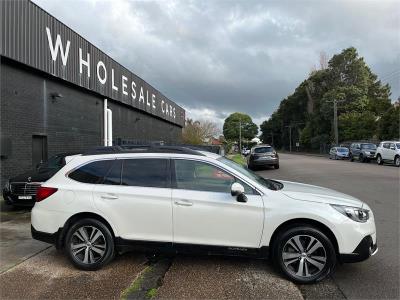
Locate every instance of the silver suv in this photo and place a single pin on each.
(388, 151)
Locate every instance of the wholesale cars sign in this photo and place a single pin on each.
(33, 37)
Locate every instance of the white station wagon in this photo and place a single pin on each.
(175, 199)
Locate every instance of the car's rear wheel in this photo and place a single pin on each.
(89, 244)
(379, 160)
(304, 254)
(397, 161)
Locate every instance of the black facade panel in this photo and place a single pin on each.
(73, 122)
(33, 37)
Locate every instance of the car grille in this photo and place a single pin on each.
(24, 188)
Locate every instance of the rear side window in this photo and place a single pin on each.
(145, 172)
(113, 176)
(93, 172)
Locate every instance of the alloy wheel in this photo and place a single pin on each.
(88, 244)
(304, 256)
(397, 161)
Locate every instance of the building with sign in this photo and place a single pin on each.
(56, 90)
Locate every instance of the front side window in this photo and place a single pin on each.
(93, 172)
(200, 176)
(145, 172)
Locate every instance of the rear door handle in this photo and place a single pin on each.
(183, 203)
(109, 197)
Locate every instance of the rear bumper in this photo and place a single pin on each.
(365, 249)
(50, 238)
(264, 162)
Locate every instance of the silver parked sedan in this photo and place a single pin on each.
(339, 153)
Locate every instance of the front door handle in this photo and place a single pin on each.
(183, 203)
(109, 197)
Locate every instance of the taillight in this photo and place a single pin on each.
(44, 192)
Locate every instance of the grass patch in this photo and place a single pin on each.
(136, 285)
(237, 158)
(151, 293)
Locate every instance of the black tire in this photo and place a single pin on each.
(397, 161)
(361, 158)
(98, 260)
(276, 166)
(335, 157)
(351, 158)
(379, 160)
(290, 266)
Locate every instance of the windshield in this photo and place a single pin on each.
(342, 150)
(263, 149)
(368, 146)
(268, 183)
(54, 162)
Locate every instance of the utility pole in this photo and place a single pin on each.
(290, 137)
(335, 120)
(240, 136)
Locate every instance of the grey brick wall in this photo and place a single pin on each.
(71, 123)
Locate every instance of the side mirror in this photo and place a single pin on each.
(238, 190)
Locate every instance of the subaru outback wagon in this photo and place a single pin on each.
(182, 200)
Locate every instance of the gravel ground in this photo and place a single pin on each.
(49, 275)
(224, 278)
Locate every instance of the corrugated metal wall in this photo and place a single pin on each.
(24, 39)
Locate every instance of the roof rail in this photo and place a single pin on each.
(141, 149)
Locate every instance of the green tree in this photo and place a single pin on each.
(232, 123)
(363, 100)
(389, 124)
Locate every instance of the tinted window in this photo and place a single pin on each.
(145, 172)
(113, 176)
(368, 146)
(263, 150)
(194, 175)
(93, 172)
(342, 149)
(386, 145)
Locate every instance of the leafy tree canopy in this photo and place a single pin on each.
(308, 112)
(232, 125)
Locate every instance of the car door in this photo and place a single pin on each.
(136, 197)
(385, 151)
(205, 212)
(391, 151)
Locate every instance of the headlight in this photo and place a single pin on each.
(355, 213)
(367, 152)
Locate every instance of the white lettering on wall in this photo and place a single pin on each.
(162, 106)
(104, 79)
(124, 85)
(58, 45)
(153, 101)
(133, 94)
(83, 62)
(112, 81)
(141, 97)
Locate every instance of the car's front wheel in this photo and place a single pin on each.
(351, 158)
(304, 254)
(89, 244)
(276, 166)
(397, 161)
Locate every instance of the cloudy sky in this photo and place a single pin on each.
(216, 57)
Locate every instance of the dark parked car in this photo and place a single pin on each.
(21, 189)
(263, 156)
(363, 152)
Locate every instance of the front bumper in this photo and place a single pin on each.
(12, 199)
(365, 249)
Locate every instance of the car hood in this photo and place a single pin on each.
(306, 192)
(40, 175)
